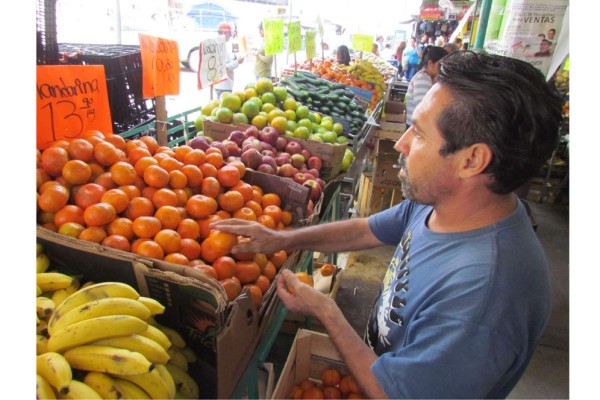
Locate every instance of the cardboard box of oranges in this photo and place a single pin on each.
(314, 369)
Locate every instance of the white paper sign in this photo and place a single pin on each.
(212, 68)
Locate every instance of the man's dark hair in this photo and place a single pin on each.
(505, 103)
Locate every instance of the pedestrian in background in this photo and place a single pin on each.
(263, 64)
(412, 54)
(398, 56)
(423, 80)
(231, 61)
(342, 55)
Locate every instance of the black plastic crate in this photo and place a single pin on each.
(46, 42)
(123, 68)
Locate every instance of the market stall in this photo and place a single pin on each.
(126, 194)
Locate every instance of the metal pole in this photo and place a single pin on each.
(484, 17)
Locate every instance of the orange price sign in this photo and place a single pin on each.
(160, 66)
(71, 99)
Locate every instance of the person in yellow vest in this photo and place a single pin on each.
(263, 63)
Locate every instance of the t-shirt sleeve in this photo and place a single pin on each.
(388, 225)
(432, 364)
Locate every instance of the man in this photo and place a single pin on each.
(263, 63)
(231, 61)
(544, 49)
(551, 34)
(467, 293)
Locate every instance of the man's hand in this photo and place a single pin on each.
(241, 59)
(262, 239)
(300, 297)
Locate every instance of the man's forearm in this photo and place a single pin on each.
(346, 235)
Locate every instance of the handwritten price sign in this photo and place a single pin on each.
(212, 62)
(160, 66)
(362, 42)
(273, 36)
(294, 37)
(71, 99)
(310, 44)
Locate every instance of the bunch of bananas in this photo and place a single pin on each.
(364, 70)
(101, 341)
(386, 69)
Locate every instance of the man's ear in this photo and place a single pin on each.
(475, 159)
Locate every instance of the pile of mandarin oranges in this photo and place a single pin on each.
(333, 385)
(158, 202)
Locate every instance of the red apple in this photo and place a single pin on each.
(315, 193)
(269, 161)
(314, 172)
(306, 153)
(299, 177)
(238, 137)
(200, 142)
(220, 146)
(232, 147)
(286, 170)
(251, 158)
(297, 160)
(266, 168)
(293, 147)
(268, 134)
(281, 143)
(252, 131)
(283, 158)
(314, 162)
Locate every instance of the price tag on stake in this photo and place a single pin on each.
(71, 99)
(310, 44)
(294, 37)
(273, 35)
(362, 42)
(160, 66)
(212, 67)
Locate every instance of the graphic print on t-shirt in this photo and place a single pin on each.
(388, 314)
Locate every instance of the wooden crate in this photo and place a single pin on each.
(373, 199)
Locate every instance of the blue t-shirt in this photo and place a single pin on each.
(459, 314)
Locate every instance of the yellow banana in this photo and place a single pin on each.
(79, 390)
(42, 328)
(178, 358)
(153, 305)
(189, 354)
(184, 383)
(38, 291)
(44, 307)
(94, 292)
(129, 390)
(150, 349)
(43, 389)
(55, 369)
(107, 359)
(41, 344)
(168, 378)
(88, 283)
(90, 330)
(103, 384)
(42, 262)
(152, 321)
(152, 383)
(50, 281)
(99, 308)
(59, 295)
(154, 333)
(174, 337)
